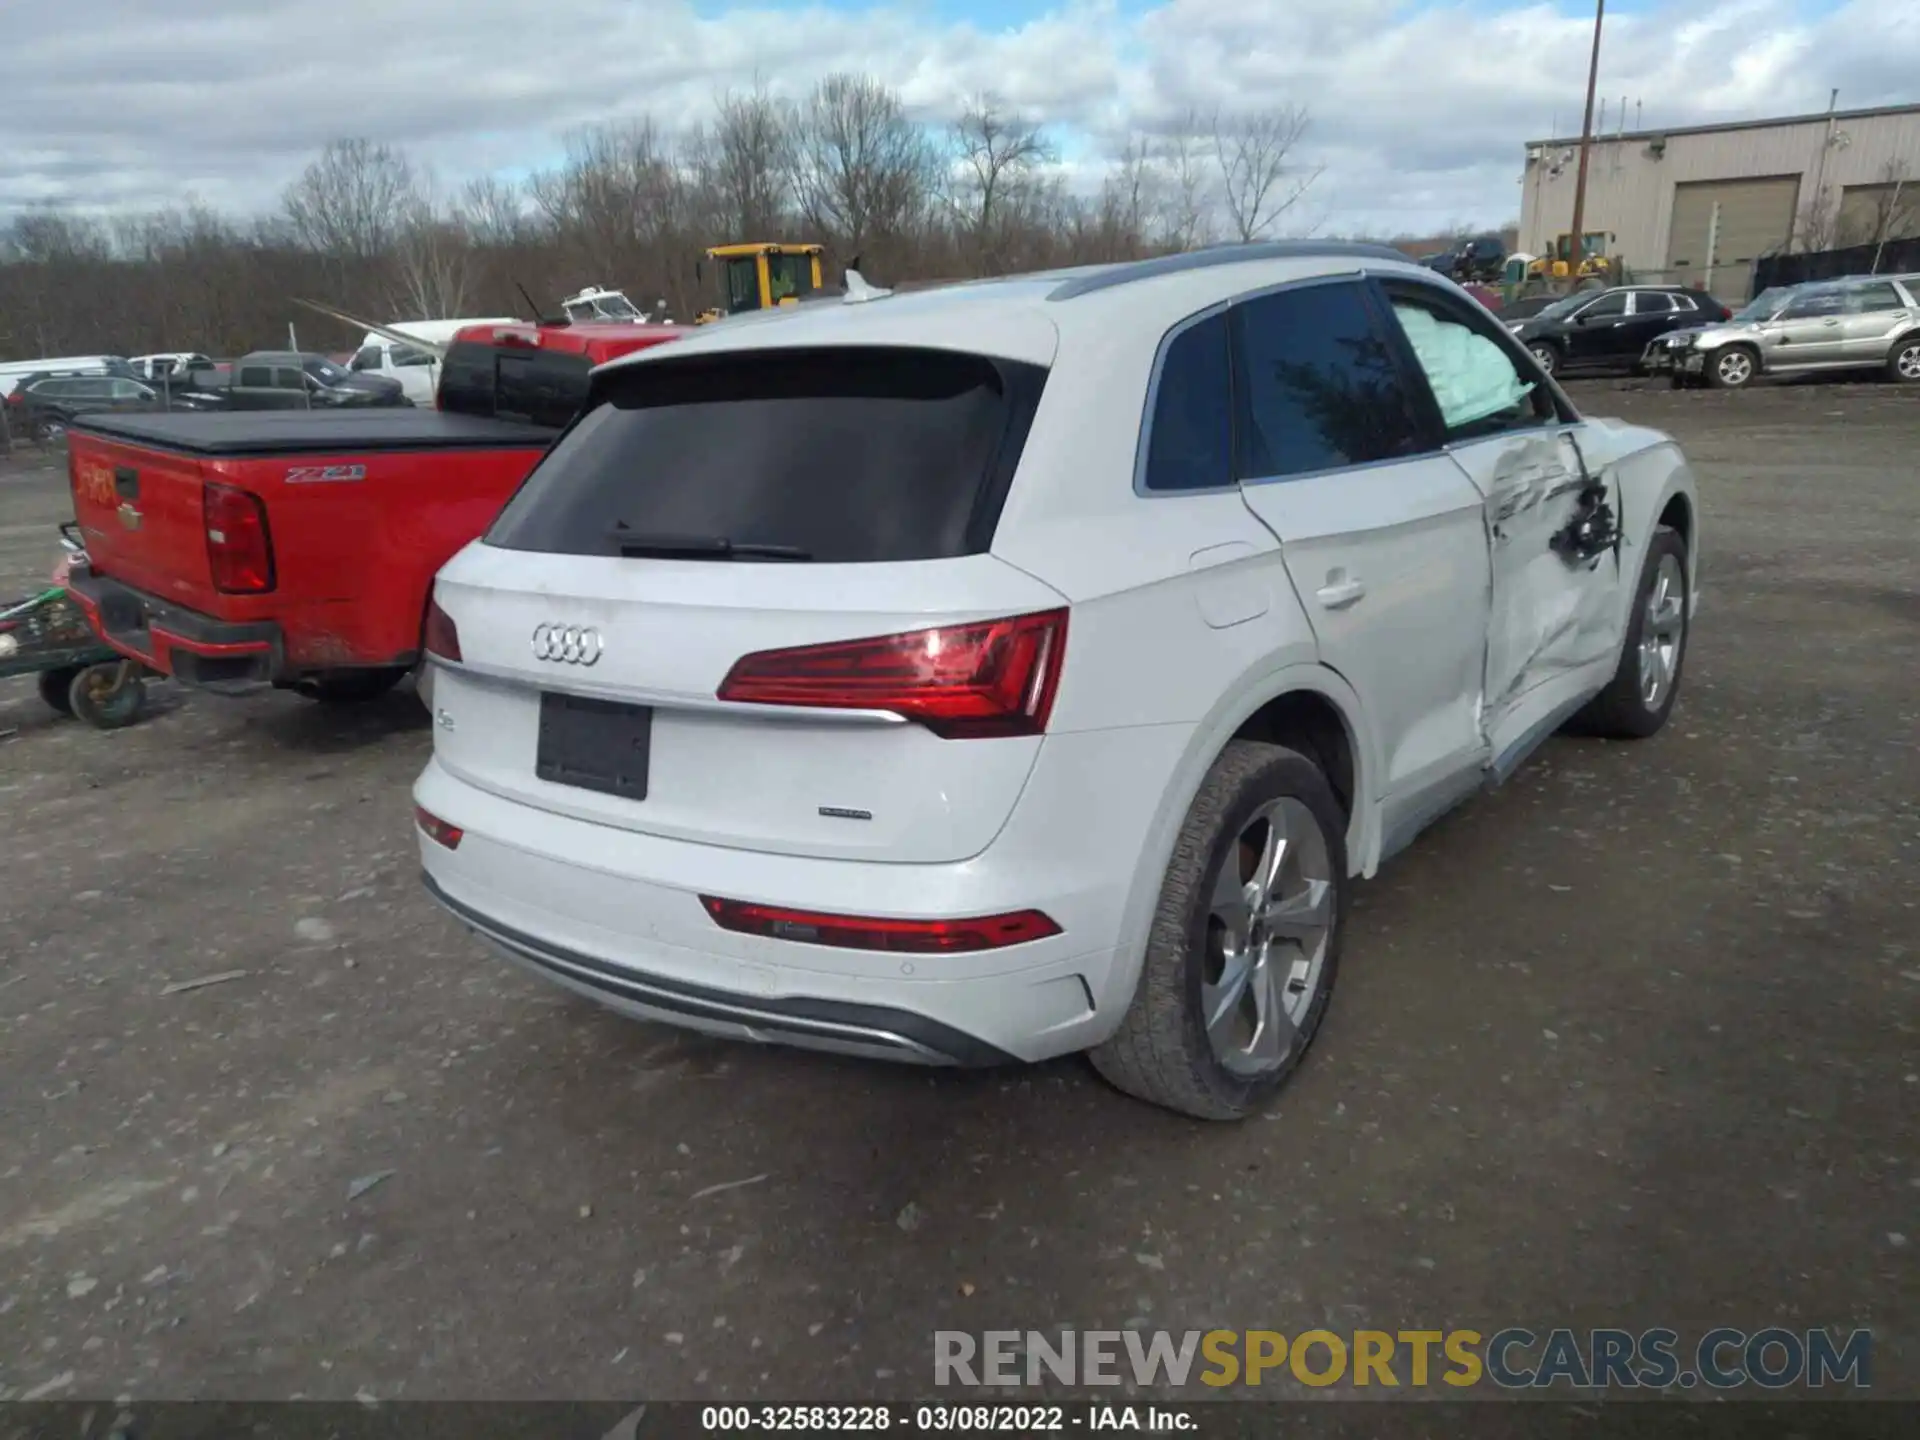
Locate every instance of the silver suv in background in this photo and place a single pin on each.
(1866, 323)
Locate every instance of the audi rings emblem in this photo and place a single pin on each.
(567, 644)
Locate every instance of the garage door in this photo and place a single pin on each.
(1756, 218)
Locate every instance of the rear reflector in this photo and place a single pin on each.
(992, 677)
(859, 932)
(442, 637)
(437, 829)
(239, 548)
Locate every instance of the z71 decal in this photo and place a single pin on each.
(315, 474)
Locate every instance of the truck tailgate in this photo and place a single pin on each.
(139, 509)
(138, 482)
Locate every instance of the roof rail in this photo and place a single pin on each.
(1232, 253)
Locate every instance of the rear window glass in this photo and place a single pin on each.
(540, 387)
(838, 455)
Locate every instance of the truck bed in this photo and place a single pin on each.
(246, 433)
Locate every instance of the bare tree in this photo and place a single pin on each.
(493, 211)
(862, 169)
(352, 202)
(617, 194)
(997, 157)
(1186, 208)
(1887, 209)
(1259, 179)
(746, 164)
(433, 260)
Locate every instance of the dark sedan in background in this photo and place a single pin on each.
(1610, 329)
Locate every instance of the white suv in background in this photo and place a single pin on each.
(1029, 666)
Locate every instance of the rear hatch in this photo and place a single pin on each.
(712, 508)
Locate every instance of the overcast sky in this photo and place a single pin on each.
(1419, 110)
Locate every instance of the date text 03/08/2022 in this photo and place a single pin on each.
(942, 1418)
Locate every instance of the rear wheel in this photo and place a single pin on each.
(1641, 694)
(1245, 943)
(1904, 363)
(351, 687)
(55, 686)
(1732, 369)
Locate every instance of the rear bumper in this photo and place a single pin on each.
(228, 656)
(837, 1025)
(616, 915)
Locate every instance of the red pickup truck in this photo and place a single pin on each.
(297, 549)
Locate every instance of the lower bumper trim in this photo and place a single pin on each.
(819, 1023)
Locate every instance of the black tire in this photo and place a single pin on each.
(1903, 361)
(1546, 356)
(55, 686)
(1734, 368)
(1161, 1053)
(351, 687)
(1621, 711)
(99, 697)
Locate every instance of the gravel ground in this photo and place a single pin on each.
(1631, 1041)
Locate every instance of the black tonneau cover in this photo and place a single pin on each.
(313, 432)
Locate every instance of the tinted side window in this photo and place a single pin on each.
(1615, 304)
(367, 358)
(466, 379)
(1316, 385)
(1190, 434)
(1651, 302)
(540, 386)
(256, 377)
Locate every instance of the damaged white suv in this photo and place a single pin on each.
(1030, 666)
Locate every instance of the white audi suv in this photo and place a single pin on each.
(996, 671)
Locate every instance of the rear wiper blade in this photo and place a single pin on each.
(633, 544)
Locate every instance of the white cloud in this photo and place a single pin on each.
(1418, 112)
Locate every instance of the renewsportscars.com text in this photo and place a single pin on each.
(1512, 1358)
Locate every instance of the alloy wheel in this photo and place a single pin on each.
(1735, 367)
(1907, 363)
(1269, 921)
(1663, 631)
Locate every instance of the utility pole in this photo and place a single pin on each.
(1575, 247)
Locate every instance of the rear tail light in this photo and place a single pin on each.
(992, 677)
(438, 830)
(442, 637)
(239, 547)
(857, 932)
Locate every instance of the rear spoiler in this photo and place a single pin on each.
(397, 337)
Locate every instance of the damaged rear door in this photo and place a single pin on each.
(1552, 522)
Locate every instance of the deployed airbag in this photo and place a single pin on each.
(1471, 376)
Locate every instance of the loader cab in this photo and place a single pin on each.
(764, 276)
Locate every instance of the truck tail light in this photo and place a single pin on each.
(988, 678)
(442, 637)
(239, 547)
(858, 932)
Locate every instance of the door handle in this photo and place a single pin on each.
(1829, 323)
(1339, 594)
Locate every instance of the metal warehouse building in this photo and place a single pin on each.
(1747, 189)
